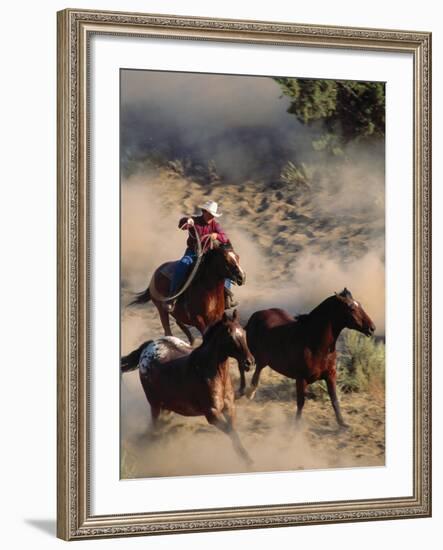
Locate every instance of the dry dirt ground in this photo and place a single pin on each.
(266, 425)
(306, 223)
(296, 252)
(185, 446)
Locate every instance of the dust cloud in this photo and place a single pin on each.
(190, 446)
(149, 234)
(297, 280)
(314, 279)
(296, 248)
(240, 123)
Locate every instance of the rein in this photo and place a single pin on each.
(201, 250)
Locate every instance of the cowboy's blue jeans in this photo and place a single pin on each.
(183, 267)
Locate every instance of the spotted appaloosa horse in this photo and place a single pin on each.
(194, 382)
(304, 348)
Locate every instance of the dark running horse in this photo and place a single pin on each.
(304, 348)
(194, 382)
(203, 303)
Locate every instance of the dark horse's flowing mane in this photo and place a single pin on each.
(207, 260)
(327, 302)
(330, 300)
(220, 248)
(198, 354)
(301, 317)
(209, 333)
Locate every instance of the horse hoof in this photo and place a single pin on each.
(250, 393)
(239, 394)
(344, 427)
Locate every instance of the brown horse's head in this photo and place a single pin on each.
(226, 264)
(233, 340)
(354, 316)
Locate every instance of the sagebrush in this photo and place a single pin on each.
(361, 363)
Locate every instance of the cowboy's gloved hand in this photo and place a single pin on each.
(190, 222)
(214, 236)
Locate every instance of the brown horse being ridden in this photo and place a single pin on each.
(203, 303)
(304, 348)
(194, 382)
(202, 298)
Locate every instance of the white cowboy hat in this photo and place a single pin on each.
(211, 207)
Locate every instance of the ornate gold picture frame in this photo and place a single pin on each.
(75, 518)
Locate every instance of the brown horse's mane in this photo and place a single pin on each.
(206, 265)
(322, 307)
(209, 333)
(328, 302)
(198, 357)
(302, 318)
(322, 313)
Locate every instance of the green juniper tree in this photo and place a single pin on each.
(347, 110)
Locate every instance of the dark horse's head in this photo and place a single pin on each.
(226, 263)
(354, 316)
(232, 339)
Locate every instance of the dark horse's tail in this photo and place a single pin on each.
(130, 361)
(141, 298)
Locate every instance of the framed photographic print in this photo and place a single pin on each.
(243, 274)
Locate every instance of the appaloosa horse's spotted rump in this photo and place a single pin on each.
(161, 350)
(194, 382)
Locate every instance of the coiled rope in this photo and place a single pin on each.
(201, 250)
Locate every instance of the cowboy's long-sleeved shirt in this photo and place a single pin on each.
(203, 228)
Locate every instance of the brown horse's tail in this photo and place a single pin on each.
(141, 298)
(130, 361)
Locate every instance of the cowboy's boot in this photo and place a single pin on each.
(229, 299)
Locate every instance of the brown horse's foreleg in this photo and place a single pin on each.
(164, 318)
(241, 390)
(254, 382)
(330, 381)
(153, 404)
(216, 419)
(187, 332)
(300, 385)
(155, 413)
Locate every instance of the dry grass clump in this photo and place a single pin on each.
(361, 363)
